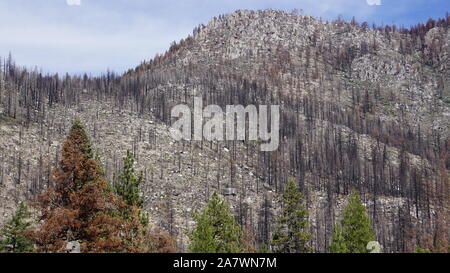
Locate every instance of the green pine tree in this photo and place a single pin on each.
(216, 230)
(338, 244)
(127, 187)
(12, 232)
(291, 233)
(354, 231)
(128, 184)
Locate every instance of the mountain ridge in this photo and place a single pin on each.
(362, 109)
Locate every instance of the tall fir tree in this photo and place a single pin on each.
(128, 183)
(217, 231)
(14, 239)
(338, 244)
(291, 233)
(354, 231)
(80, 206)
(127, 187)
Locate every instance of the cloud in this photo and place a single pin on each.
(374, 2)
(73, 2)
(63, 40)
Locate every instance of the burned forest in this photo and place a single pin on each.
(363, 109)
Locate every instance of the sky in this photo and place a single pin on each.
(92, 36)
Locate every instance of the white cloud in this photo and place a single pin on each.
(374, 2)
(77, 45)
(73, 2)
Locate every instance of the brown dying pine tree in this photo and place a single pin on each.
(81, 206)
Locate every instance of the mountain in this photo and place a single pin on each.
(362, 109)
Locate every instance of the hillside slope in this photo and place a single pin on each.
(361, 109)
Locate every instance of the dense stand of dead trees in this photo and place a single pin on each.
(321, 140)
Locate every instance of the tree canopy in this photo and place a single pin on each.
(354, 231)
(80, 205)
(217, 231)
(14, 239)
(291, 234)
